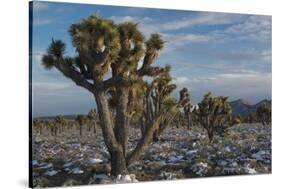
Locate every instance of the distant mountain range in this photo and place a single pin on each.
(239, 106)
(243, 108)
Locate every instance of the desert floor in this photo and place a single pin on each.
(69, 159)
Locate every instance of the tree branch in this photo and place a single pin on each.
(75, 76)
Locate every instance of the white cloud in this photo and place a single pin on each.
(253, 28)
(199, 19)
(251, 86)
(180, 80)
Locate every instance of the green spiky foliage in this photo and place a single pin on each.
(93, 119)
(81, 120)
(214, 115)
(263, 113)
(158, 102)
(111, 61)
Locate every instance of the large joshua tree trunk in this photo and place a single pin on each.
(118, 162)
(121, 125)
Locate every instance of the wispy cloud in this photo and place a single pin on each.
(252, 28)
(254, 86)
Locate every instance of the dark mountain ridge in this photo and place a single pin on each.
(243, 107)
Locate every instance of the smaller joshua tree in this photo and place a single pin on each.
(214, 115)
(38, 125)
(250, 118)
(81, 120)
(60, 123)
(186, 108)
(158, 101)
(93, 118)
(264, 114)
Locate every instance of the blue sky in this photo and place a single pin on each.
(227, 54)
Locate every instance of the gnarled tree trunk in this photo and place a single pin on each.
(118, 162)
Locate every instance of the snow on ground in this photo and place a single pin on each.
(69, 159)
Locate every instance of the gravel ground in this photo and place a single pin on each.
(70, 159)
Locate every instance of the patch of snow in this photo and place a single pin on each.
(260, 155)
(68, 164)
(76, 171)
(190, 152)
(126, 178)
(95, 160)
(35, 163)
(250, 170)
(51, 173)
(228, 149)
(101, 176)
(200, 168)
(193, 144)
(45, 165)
(222, 163)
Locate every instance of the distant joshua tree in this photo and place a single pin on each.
(264, 114)
(93, 119)
(60, 123)
(38, 125)
(81, 120)
(186, 115)
(108, 58)
(214, 115)
(251, 118)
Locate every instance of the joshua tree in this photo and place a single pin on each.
(60, 123)
(107, 58)
(38, 125)
(93, 118)
(264, 114)
(81, 120)
(251, 118)
(157, 100)
(186, 107)
(214, 115)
